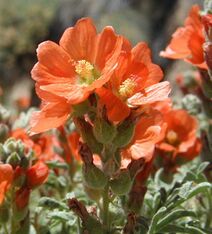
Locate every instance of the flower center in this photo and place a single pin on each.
(84, 69)
(86, 72)
(172, 137)
(127, 88)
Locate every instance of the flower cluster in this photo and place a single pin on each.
(19, 173)
(112, 118)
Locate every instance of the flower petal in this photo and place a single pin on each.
(6, 178)
(154, 93)
(80, 40)
(52, 115)
(74, 93)
(54, 59)
(116, 109)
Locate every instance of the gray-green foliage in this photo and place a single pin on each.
(182, 206)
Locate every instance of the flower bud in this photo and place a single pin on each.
(37, 174)
(4, 114)
(10, 145)
(4, 213)
(89, 223)
(207, 83)
(20, 148)
(22, 198)
(3, 155)
(4, 132)
(103, 131)
(93, 177)
(21, 209)
(81, 109)
(25, 161)
(93, 194)
(13, 159)
(19, 177)
(93, 226)
(125, 134)
(87, 135)
(192, 104)
(110, 167)
(121, 183)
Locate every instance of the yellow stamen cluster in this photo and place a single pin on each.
(127, 88)
(172, 137)
(84, 69)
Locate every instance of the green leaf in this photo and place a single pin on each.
(185, 189)
(172, 228)
(57, 164)
(202, 167)
(194, 230)
(202, 187)
(51, 203)
(63, 216)
(172, 216)
(155, 219)
(156, 201)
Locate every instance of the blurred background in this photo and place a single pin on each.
(26, 23)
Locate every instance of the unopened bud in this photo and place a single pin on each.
(103, 131)
(13, 159)
(25, 161)
(3, 155)
(93, 177)
(20, 148)
(93, 226)
(4, 114)
(10, 145)
(86, 132)
(4, 132)
(81, 109)
(110, 166)
(21, 209)
(135, 167)
(136, 197)
(121, 183)
(125, 134)
(93, 194)
(85, 153)
(37, 174)
(4, 213)
(90, 224)
(130, 225)
(192, 104)
(19, 177)
(207, 82)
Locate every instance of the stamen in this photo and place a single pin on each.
(172, 137)
(127, 88)
(84, 69)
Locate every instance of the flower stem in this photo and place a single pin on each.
(105, 209)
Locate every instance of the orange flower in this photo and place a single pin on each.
(134, 83)
(73, 140)
(43, 145)
(187, 42)
(149, 131)
(207, 22)
(23, 102)
(54, 113)
(37, 174)
(72, 70)
(6, 178)
(180, 136)
(22, 198)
